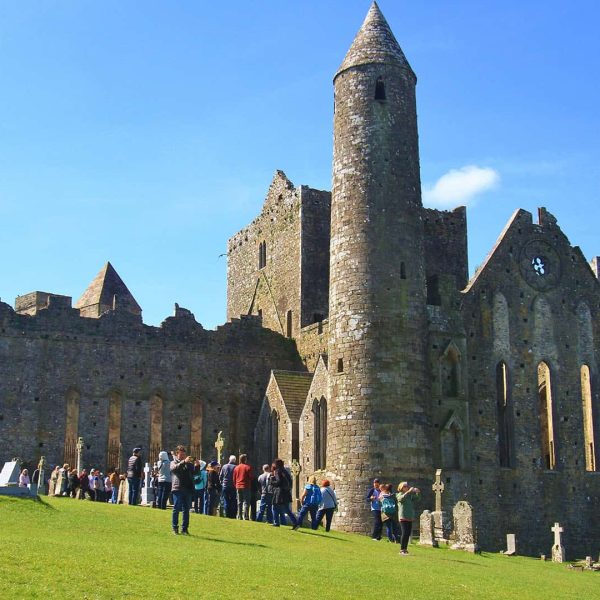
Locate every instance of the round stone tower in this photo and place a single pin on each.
(378, 418)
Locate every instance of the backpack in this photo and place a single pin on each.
(313, 495)
(388, 506)
(316, 497)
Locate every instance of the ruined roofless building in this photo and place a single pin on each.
(355, 343)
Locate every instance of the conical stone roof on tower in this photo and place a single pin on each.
(107, 292)
(374, 44)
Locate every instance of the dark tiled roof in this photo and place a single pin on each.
(293, 386)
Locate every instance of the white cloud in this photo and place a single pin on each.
(460, 186)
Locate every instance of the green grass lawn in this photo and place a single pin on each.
(63, 548)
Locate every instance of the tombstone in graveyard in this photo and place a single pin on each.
(511, 544)
(9, 479)
(426, 535)
(296, 468)
(558, 550)
(62, 481)
(589, 563)
(123, 494)
(441, 524)
(464, 530)
(10, 473)
(147, 490)
(219, 444)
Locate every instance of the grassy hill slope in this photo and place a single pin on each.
(63, 548)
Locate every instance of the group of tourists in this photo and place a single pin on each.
(394, 510)
(90, 485)
(233, 491)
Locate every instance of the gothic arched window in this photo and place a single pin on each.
(504, 412)
(547, 422)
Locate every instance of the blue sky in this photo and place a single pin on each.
(147, 133)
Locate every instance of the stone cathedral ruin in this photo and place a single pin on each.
(355, 342)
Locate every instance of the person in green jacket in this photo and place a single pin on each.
(407, 497)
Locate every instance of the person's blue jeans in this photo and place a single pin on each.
(265, 508)
(164, 489)
(115, 495)
(229, 502)
(199, 501)
(307, 508)
(328, 514)
(182, 501)
(279, 512)
(134, 489)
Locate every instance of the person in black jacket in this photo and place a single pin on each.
(182, 472)
(280, 482)
(134, 475)
(213, 489)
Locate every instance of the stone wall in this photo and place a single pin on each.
(514, 315)
(44, 359)
(274, 289)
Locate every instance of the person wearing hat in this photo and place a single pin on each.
(213, 488)
(200, 479)
(134, 475)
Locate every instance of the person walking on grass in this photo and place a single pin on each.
(373, 499)
(182, 474)
(134, 475)
(407, 497)
(228, 493)
(310, 500)
(327, 506)
(242, 479)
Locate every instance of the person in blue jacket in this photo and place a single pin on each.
(373, 499)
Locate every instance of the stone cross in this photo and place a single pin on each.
(558, 551)
(41, 475)
(79, 454)
(219, 445)
(296, 468)
(557, 531)
(438, 488)
(148, 490)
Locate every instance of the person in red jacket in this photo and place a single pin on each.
(242, 479)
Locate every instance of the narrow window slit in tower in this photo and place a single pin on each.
(380, 89)
(340, 365)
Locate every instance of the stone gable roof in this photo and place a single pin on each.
(105, 286)
(293, 387)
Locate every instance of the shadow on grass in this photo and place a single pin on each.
(325, 536)
(220, 541)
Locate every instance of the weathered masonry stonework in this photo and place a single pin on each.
(355, 343)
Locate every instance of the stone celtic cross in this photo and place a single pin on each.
(438, 488)
(557, 529)
(79, 453)
(219, 445)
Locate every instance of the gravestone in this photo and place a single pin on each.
(589, 563)
(42, 466)
(441, 525)
(426, 537)
(464, 531)
(123, 494)
(10, 473)
(558, 550)
(79, 455)
(511, 544)
(9, 479)
(147, 490)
